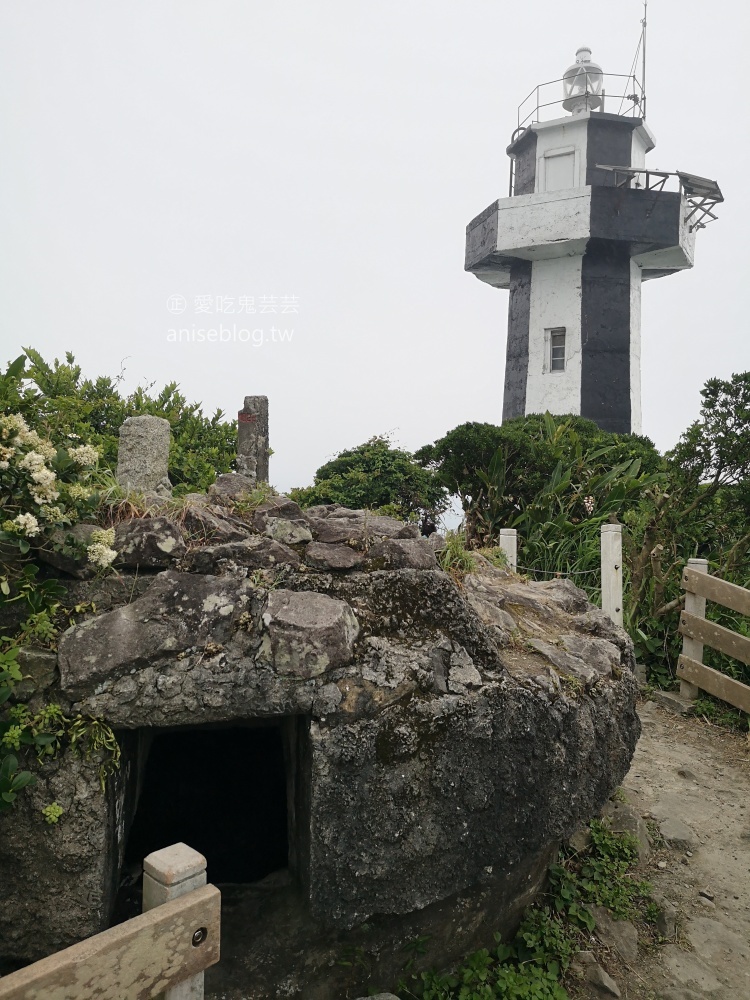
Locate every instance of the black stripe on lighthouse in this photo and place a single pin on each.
(605, 335)
(517, 353)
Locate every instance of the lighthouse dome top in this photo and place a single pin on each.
(582, 84)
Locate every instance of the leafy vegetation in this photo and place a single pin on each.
(72, 407)
(377, 476)
(536, 964)
(557, 479)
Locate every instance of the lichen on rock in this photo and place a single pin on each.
(442, 731)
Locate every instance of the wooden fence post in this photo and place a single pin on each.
(694, 605)
(509, 545)
(167, 874)
(611, 550)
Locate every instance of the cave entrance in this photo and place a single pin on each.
(227, 791)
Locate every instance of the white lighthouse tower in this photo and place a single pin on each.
(585, 224)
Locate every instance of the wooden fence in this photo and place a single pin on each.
(161, 953)
(697, 632)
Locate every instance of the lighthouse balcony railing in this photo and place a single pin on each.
(620, 94)
(701, 195)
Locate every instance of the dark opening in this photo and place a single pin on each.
(221, 791)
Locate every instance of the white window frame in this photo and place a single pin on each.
(548, 334)
(549, 154)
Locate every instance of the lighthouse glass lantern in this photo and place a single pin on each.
(582, 84)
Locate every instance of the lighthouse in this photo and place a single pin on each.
(585, 224)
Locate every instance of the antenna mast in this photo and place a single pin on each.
(644, 22)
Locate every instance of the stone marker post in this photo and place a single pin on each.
(509, 544)
(143, 455)
(694, 605)
(252, 439)
(611, 549)
(167, 874)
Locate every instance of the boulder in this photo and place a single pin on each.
(276, 507)
(667, 917)
(211, 524)
(179, 612)
(434, 759)
(402, 553)
(148, 543)
(361, 528)
(39, 669)
(586, 965)
(68, 554)
(230, 486)
(619, 935)
(622, 817)
(678, 834)
(323, 556)
(288, 532)
(308, 633)
(256, 552)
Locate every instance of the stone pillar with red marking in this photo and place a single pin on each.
(252, 439)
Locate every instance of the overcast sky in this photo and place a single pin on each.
(326, 157)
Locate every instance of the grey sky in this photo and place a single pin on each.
(334, 151)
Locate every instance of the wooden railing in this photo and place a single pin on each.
(697, 632)
(161, 953)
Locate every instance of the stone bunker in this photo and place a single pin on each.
(376, 751)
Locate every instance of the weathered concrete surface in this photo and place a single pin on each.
(252, 439)
(443, 732)
(57, 882)
(143, 455)
(271, 946)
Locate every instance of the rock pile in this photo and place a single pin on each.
(448, 736)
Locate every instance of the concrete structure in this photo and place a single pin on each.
(252, 439)
(585, 224)
(143, 455)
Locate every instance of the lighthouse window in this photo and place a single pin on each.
(557, 350)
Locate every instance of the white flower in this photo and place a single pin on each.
(47, 449)
(4, 464)
(43, 476)
(104, 535)
(54, 515)
(45, 497)
(84, 454)
(27, 525)
(100, 555)
(78, 492)
(11, 425)
(31, 461)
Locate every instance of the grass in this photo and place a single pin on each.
(455, 558)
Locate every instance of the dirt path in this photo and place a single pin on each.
(686, 772)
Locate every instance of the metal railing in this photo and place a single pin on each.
(622, 94)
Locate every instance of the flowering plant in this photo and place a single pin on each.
(43, 487)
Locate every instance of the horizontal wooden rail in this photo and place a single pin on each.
(133, 961)
(719, 685)
(715, 636)
(729, 595)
